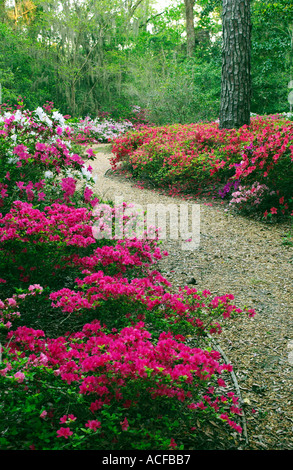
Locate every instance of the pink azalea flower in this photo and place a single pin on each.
(19, 376)
(172, 443)
(124, 424)
(93, 424)
(64, 432)
(67, 418)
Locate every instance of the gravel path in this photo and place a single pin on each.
(245, 258)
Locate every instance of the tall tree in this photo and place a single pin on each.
(190, 31)
(236, 78)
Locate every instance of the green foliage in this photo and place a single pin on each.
(139, 57)
(272, 55)
(190, 94)
(24, 70)
(151, 422)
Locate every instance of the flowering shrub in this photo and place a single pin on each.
(9, 308)
(251, 199)
(98, 130)
(113, 388)
(139, 117)
(118, 301)
(96, 349)
(202, 156)
(60, 239)
(37, 244)
(135, 114)
(37, 164)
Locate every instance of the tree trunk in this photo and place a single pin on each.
(190, 33)
(236, 79)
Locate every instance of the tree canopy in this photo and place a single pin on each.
(93, 56)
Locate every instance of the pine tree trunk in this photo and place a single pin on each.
(190, 32)
(236, 79)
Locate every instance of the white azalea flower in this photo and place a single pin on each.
(48, 174)
(58, 117)
(43, 116)
(86, 173)
(12, 160)
(48, 121)
(18, 116)
(40, 112)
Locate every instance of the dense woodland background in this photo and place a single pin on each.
(90, 57)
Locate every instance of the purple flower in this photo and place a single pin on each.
(226, 189)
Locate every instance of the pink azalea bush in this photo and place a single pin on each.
(118, 301)
(60, 240)
(199, 158)
(99, 130)
(38, 163)
(105, 128)
(116, 385)
(97, 350)
(250, 199)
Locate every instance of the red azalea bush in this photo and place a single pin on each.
(97, 352)
(60, 240)
(96, 389)
(37, 244)
(201, 155)
(118, 301)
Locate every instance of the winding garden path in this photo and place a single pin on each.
(246, 258)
